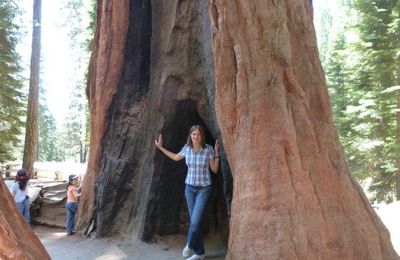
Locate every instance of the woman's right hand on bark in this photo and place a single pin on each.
(173, 156)
(159, 142)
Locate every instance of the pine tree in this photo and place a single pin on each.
(380, 49)
(323, 29)
(76, 126)
(75, 129)
(12, 97)
(395, 31)
(49, 144)
(92, 25)
(361, 70)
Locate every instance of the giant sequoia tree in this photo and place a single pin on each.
(249, 72)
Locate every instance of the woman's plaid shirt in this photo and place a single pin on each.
(198, 165)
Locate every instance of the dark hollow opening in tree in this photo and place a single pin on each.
(166, 84)
(170, 209)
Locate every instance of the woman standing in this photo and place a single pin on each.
(199, 157)
(19, 191)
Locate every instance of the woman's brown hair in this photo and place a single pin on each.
(201, 130)
(22, 178)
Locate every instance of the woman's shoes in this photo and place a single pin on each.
(70, 233)
(196, 257)
(186, 252)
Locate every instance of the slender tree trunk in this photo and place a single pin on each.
(31, 135)
(294, 197)
(80, 152)
(85, 151)
(398, 136)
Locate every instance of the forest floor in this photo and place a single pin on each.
(77, 247)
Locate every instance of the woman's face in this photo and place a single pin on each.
(196, 137)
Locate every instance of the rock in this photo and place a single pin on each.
(17, 240)
(52, 210)
(47, 202)
(33, 191)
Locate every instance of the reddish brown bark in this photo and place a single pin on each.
(17, 240)
(163, 85)
(294, 197)
(31, 133)
(105, 69)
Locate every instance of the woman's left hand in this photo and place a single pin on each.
(215, 162)
(216, 148)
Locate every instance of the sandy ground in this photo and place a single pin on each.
(59, 246)
(77, 247)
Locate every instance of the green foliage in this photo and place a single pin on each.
(12, 97)
(76, 134)
(379, 46)
(76, 128)
(49, 143)
(324, 33)
(71, 142)
(361, 70)
(92, 25)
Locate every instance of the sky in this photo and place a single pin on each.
(57, 65)
(321, 4)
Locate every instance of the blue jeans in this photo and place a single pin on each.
(72, 208)
(23, 207)
(196, 199)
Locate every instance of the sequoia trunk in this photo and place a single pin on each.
(294, 197)
(17, 240)
(152, 71)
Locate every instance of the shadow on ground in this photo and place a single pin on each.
(77, 247)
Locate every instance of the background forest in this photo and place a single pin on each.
(359, 49)
(62, 136)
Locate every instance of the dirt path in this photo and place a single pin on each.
(61, 247)
(75, 247)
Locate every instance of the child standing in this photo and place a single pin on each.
(72, 202)
(19, 190)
